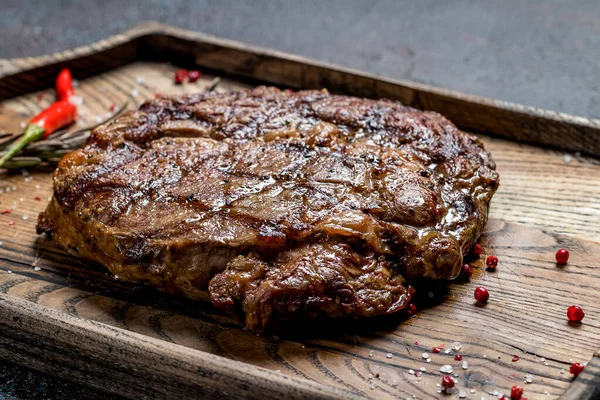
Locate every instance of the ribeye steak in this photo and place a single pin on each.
(282, 204)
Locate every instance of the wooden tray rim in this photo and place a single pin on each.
(187, 370)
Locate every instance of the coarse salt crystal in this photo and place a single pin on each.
(456, 346)
(423, 369)
(425, 355)
(9, 271)
(446, 369)
(472, 390)
(447, 351)
(567, 158)
(37, 187)
(371, 353)
(389, 355)
(411, 371)
(23, 124)
(21, 199)
(25, 217)
(77, 100)
(1, 243)
(139, 79)
(484, 356)
(528, 378)
(462, 394)
(36, 268)
(135, 92)
(465, 365)
(428, 360)
(542, 359)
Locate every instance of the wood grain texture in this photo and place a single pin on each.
(544, 203)
(32, 334)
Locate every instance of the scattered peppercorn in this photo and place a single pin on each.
(515, 358)
(458, 357)
(38, 198)
(477, 250)
(492, 263)
(411, 309)
(516, 393)
(481, 294)
(180, 76)
(11, 223)
(435, 350)
(447, 381)
(466, 271)
(576, 369)
(562, 256)
(194, 75)
(575, 314)
(7, 211)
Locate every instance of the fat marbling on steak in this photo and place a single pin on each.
(282, 204)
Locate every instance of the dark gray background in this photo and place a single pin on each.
(543, 53)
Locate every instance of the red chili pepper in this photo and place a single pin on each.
(64, 85)
(60, 113)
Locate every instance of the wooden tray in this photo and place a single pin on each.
(64, 317)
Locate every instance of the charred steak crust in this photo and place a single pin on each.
(283, 204)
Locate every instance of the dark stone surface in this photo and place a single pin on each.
(540, 53)
(18, 383)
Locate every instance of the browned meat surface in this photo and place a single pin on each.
(282, 204)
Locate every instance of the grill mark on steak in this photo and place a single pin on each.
(288, 204)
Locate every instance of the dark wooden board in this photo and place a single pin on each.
(72, 319)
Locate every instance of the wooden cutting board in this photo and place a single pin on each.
(63, 316)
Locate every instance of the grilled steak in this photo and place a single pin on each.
(281, 204)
